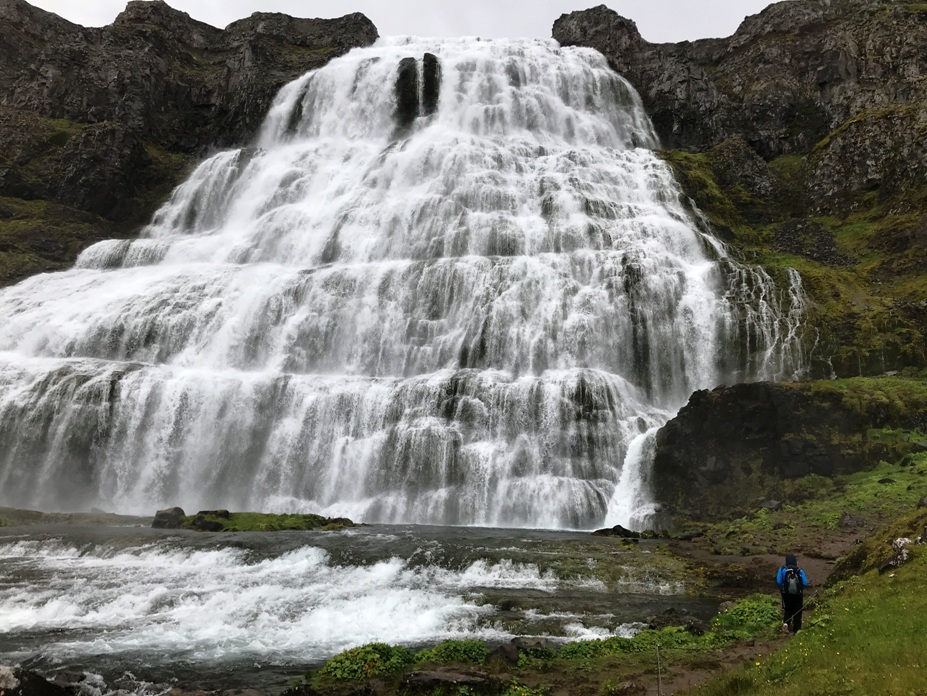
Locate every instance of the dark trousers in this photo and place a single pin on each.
(792, 606)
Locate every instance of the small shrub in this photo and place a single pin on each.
(367, 661)
(752, 615)
(582, 650)
(451, 651)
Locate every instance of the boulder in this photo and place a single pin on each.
(850, 521)
(446, 680)
(678, 617)
(169, 518)
(15, 681)
(617, 531)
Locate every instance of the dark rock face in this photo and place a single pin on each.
(431, 83)
(105, 120)
(15, 681)
(788, 77)
(169, 518)
(728, 448)
(161, 74)
(407, 93)
(417, 91)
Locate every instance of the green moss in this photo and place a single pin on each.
(39, 236)
(222, 520)
(696, 175)
(867, 115)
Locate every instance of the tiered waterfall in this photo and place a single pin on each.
(450, 283)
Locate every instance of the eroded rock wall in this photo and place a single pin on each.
(104, 121)
(788, 77)
(730, 448)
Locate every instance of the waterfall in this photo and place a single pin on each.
(450, 283)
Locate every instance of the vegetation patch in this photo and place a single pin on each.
(472, 652)
(39, 236)
(225, 521)
(820, 508)
(866, 634)
(366, 662)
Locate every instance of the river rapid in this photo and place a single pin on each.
(141, 610)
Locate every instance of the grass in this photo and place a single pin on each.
(806, 526)
(597, 663)
(865, 637)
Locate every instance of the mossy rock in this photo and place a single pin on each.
(225, 521)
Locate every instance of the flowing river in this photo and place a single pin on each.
(142, 609)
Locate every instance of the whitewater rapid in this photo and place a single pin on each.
(256, 609)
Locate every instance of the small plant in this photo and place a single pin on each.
(517, 689)
(455, 651)
(366, 662)
(756, 614)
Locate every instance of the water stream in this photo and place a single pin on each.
(142, 609)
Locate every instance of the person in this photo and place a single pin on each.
(792, 582)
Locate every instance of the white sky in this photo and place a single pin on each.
(658, 20)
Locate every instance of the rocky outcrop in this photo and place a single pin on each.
(15, 681)
(418, 90)
(225, 521)
(787, 78)
(104, 121)
(730, 448)
(803, 134)
(162, 75)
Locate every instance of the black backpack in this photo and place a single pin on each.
(791, 582)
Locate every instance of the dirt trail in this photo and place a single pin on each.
(740, 575)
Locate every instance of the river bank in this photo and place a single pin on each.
(99, 597)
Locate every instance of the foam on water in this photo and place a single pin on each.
(213, 603)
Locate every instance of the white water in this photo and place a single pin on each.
(176, 599)
(471, 322)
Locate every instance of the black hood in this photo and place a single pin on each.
(790, 559)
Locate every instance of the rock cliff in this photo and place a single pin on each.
(803, 137)
(787, 78)
(730, 448)
(98, 124)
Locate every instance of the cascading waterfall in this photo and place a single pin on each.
(450, 284)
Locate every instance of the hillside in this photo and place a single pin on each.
(97, 125)
(801, 139)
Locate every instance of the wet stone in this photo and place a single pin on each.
(169, 518)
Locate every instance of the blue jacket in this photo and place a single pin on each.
(780, 577)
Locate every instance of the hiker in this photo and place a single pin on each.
(792, 582)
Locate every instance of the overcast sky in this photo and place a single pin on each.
(658, 20)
